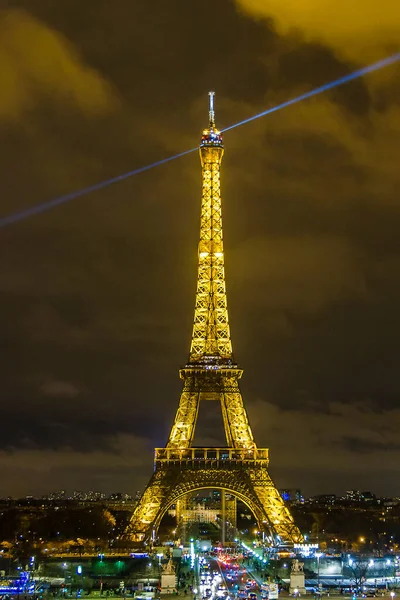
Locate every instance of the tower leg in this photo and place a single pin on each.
(182, 431)
(223, 517)
(237, 428)
(278, 517)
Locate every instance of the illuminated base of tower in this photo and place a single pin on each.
(242, 473)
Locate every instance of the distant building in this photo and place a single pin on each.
(60, 495)
(357, 496)
(368, 497)
(353, 495)
(119, 497)
(324, 499)
(292, 495)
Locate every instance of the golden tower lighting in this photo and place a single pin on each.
(240, 468)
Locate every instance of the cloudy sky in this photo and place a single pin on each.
(97, 295)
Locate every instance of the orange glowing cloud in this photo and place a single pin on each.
(36, 61)
(356, 27)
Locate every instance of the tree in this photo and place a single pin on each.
(358, 570)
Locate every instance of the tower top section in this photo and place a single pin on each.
(211, 136)
(211, 346)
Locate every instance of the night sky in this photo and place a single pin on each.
(97, 296)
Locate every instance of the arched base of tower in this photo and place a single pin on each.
(247, 479)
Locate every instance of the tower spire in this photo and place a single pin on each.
(211, 335)
(211, 114)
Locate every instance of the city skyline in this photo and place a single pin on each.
(97, 296)
(357, 496)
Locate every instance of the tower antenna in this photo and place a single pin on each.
(211, 114)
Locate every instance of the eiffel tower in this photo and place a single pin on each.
(241, 468)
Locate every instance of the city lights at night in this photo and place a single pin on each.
(200, 286)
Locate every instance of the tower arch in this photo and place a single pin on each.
(251, 503)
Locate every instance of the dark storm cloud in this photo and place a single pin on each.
(40, 471)
(367, 446)
(66, 425)
(345, 444)
(97, 296)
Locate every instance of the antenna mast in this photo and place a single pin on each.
(211, 114)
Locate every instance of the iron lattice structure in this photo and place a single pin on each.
(212, 374)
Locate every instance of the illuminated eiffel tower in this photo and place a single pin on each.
(212, 374)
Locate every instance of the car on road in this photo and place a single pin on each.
(251, 584)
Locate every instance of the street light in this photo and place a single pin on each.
(79, 571)
(65, 567)
(159, 556)
(318, 555)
